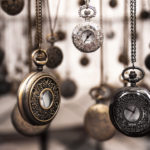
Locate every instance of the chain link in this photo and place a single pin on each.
(133, 30)
(39, 22)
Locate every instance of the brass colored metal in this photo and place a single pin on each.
(40, 57)
(12, 7)
(23, 126)
(103, 92)
(97, 122)
(29, 95)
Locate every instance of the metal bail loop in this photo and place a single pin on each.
(132, 77)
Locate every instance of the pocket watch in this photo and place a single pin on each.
(130, 107)
(12, 7)
(39, 94)
(24, 127)
(97, 122)
(84, 61)
(113, 3)
(68, 88)
(87, 37)
(55, 55)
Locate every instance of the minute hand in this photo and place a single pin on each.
(87, 37)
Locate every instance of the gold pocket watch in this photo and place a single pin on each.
(97, 122)
(39, 94)
(23, 126)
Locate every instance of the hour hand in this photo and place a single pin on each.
(130, 110)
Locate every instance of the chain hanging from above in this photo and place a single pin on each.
(39, 105)
(55, 55)
(98, 113)
(39, 22)
(129, 109)
(133, 30)
(87, 37)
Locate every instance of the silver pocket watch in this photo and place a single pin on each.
(87, 37)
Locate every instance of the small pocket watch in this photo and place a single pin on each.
(68, 88)
(12, 7)
(55, 55)
(24, 127)
(87, 37)
(130, 108)
(39, 94)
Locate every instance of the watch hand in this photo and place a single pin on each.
(134, 110)
(129, 110)
(87, 37)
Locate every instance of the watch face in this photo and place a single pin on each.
(130, 112)
(12, 7)
(87, 37)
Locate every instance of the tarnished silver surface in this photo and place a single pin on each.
(87, 37)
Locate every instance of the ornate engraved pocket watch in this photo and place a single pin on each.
(39, 94)
(12, 7)
(130, 107)
(87, 37)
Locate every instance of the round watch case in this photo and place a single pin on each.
(130, 111)
(12, 7)
(38, 98)
(87, 37)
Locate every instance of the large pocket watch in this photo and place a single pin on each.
(87, 37)
(39, 94)
(130, 107)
